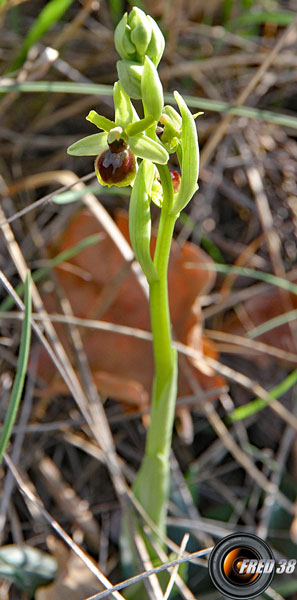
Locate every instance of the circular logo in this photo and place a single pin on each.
(241, 566)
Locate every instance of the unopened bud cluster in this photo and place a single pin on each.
(138, 41)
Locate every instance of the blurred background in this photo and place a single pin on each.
(232, 282)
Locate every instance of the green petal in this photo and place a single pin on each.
(140, 126)
(99, 121)
(92, 145)
(125, 112)
(190, 157)
(146, 148)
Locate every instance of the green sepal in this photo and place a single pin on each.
(140, 126)
(125, 113)
(157, 44)
(100, 121)
(146, 148)
(130, 74)
(92, 145)
(151, 90)
(190, 157)
(123, 44)
(140, 219)
(141, 30)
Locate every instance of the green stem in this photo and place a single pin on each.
(161, 328)
(152, 483)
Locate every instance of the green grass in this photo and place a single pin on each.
(69, 87)
(18, 384)
(50, 14)
(253, 407)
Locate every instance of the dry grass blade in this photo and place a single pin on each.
(25, 490)
(145, 574)
(175, 569)
(220, 131)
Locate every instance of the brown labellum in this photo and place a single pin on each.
(116, 165)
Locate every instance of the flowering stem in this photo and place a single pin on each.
(152, 482)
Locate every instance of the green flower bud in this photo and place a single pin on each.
(122, 42)
(137, 35)
(130, 73)
(151, 90)
(157, 44)
(141, 30)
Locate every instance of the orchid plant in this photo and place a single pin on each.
(134, 151)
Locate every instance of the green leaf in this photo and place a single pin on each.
(92, 145)
(190, 157)
(125, 113)
(18, 384)
(50, 14)
(145, 147)
(28, 568)
(151, 90)
(140, 219)
(100, 121)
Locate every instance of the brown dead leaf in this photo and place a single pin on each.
(122, 366)
(259, 309)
